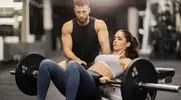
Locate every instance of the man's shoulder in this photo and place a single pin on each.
(68, 24)
(99, 21)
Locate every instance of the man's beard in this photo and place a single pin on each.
(82, 21)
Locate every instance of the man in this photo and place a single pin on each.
(83, 36)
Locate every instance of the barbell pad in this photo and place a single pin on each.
(113, 82)
(25, 80)
(139, 70)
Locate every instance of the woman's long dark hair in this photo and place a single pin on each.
(132, 50)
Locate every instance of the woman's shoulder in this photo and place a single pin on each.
(108, 55)
(125, 60)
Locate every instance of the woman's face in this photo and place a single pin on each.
(119, 43)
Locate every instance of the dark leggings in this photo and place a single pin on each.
(76, 82)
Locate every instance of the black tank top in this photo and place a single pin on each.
(85, 41)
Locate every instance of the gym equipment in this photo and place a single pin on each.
(139, 82)
(26, 73)
(12, 58)
(165, 74)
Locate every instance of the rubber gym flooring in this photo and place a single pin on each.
(10, 91)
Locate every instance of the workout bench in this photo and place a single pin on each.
(165, 74)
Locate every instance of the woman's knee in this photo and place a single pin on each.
(73, 65)
(50, 66)
(46, 63)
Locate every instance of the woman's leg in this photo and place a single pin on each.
(79, 84)
(50, 70)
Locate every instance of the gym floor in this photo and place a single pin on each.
(10, 91)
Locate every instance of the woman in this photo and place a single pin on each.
(80, 84)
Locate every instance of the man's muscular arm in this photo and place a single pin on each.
(67, 42)
(103, 36)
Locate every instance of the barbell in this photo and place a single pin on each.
(26, 73)
(139, 81)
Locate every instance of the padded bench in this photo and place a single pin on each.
(165, 74)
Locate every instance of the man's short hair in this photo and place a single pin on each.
(81, 2)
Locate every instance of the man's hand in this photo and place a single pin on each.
(81, 62)
(63, 64)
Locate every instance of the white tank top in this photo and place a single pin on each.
(112, 62)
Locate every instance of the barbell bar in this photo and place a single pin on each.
(160, 87)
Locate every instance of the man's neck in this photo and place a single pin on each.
(84, 24)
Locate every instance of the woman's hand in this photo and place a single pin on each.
(104, 79)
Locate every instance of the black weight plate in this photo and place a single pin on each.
(139, 70)
(23, 75)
